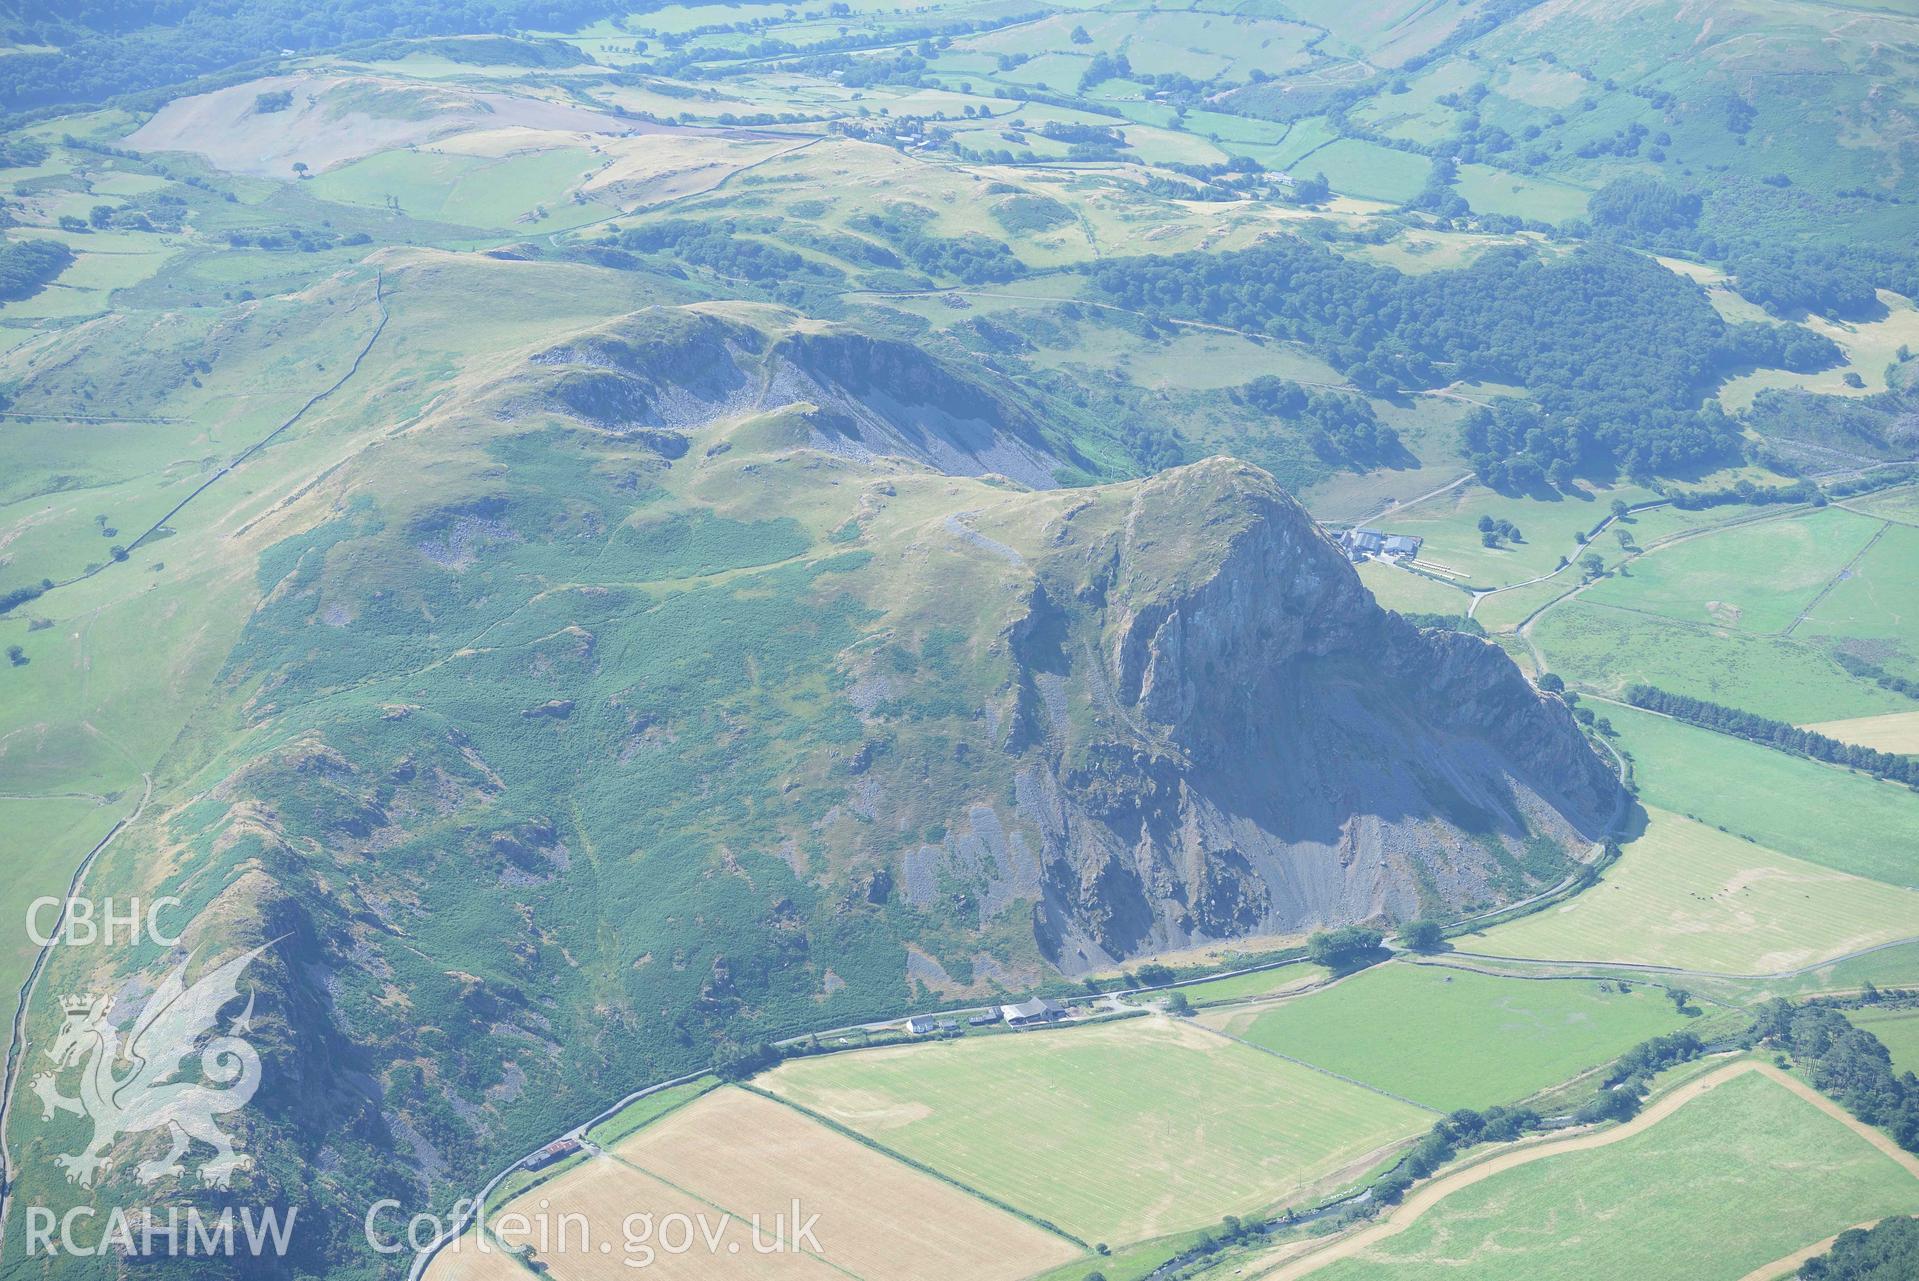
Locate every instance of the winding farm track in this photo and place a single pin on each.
(1681, 972)
(1415, 1206)
(17, 1043)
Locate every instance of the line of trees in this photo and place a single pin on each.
(1783, 735)
(1868, 671)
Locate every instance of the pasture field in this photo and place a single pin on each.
(1745, 1172)
(1449, 524)
(1756, 577)
(1115, 1132)
(1690, 896)
(1408, 592)
(468, 190)
(1878, 599)
(1820, 813)
(1901, 504)
(46, 839)
(1895, 732)
(1606, 649)
(1898, 1029)
(878, 1217)
(1490, 190)
(1451, 1038)
(1363, 168)
(1242, 987)
(644, 1111)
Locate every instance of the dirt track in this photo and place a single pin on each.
(1415, 1206)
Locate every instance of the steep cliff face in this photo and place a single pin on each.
(679, 684)
(1217, 732)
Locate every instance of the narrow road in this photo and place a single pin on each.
(379, 300)
(17, 1044)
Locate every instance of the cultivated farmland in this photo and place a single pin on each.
(1816, 812)
(1897, 1028)
(1114, 1133)
(1451, 1038)
(878, 1216)
(1895, 732)
(1741, 1173)
(1781, 677)
(1755, 577)
(1687, 895)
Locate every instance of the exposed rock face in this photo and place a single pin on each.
(659, 373)
(1221, 733)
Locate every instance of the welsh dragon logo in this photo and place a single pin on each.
(129, 1086)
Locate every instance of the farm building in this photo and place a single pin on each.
(1359, 543)
(984, 1018)
(1036, 1010)
(552, 1152)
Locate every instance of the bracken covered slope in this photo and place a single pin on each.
(673, 683)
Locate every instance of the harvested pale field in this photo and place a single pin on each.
(466, 1261)
(334, 119)
(1115, 1132)
(878, 1217)
(1895, 732)
(657, 167)
(592, 1220)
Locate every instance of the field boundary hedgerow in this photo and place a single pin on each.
(869, 1143)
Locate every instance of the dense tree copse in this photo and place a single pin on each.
(722, 247)
(28, 266)
(1643, 204)
(1345, 947)
(1887, 1252)
(1832, 280)
(974, 259)
(1338, 425)
(1780, 734)
(1746, 493)
(1878, 675)
(1848, 1063)
(1615, 350)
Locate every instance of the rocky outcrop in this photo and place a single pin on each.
(1220, 733)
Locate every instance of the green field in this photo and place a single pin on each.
(1878, 600)
(1816, 812)
(1114, 1133)
(1690, 896)
(1451, 1038)
(1744, 1174)
(472, 191)
(1756, 577)
(1608, 649)
(1240, 987)
(644, 1111)
(1898, 1029)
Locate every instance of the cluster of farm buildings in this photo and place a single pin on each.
(1024, 1014)
(1359, 543)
